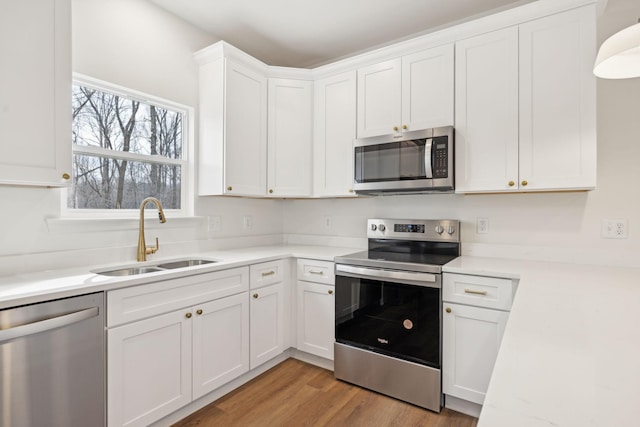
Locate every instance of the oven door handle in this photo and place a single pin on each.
(421, 279)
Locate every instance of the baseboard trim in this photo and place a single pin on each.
(463, 406)
(196, 405)
(312, 359)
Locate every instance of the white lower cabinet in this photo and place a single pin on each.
(163, 354)
(267, 323)
(158, 365)
(268, 311)
(315, 307)
(220, 343)
(316, 319)
(471, 339)
(472, 329)
(149, 369)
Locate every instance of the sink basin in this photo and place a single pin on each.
(131, 271)
(185, 263)
(169, 265)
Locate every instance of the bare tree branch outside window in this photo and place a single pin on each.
(124, 150)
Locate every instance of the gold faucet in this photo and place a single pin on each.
(143, 251)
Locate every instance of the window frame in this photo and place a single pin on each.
(186, 163)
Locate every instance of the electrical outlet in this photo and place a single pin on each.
(328, 222)
(215, 224)
(248, 222)
(482, 226)
(614, 229)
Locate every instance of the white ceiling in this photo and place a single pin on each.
(307, 33)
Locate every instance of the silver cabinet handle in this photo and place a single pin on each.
(268, 273)
(471, 291)
(48, 324)
(316, 272)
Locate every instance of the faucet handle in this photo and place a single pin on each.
(153, 249)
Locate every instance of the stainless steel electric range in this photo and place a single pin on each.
(388, 309)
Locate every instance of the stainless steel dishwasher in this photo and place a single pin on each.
(52, 363)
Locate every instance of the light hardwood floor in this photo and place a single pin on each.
(295, 393)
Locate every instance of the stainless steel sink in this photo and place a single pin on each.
(185, 263)
(169, 265)
(131, 271)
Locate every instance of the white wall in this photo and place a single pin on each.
(544, 226)
(137, 45)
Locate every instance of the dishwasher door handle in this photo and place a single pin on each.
(48, 324)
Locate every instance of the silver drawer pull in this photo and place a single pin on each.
(471, 291)
(268, 273)
(316, 272)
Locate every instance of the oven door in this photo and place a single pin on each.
(395, 313)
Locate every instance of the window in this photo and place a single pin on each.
(126, 148)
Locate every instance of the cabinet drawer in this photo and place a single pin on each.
(266, 273)
(312, 270)
(490, 292)
(139, 302)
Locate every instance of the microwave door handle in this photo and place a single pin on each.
(428, 169)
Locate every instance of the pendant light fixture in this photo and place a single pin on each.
(619, 55)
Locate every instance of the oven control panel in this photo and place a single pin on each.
(414, 229)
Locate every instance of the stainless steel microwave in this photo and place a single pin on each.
(412, 162)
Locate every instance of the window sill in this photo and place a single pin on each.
(81, 225)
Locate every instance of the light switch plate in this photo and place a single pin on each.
(248, 222)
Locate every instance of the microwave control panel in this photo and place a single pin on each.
(440, 152)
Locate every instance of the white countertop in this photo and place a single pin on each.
(40, 286)
(570, 355)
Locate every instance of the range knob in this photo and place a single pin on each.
(381, 227)
(374, 227)
(451, 230)
(439, 229)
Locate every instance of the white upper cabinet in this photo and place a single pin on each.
(379, 98)
(35, 92)
(558, 101)
(486, 117)
(290, 137)
(525, 106)
(334, 130)
(427, 88)
(233, 129)
(409, 93)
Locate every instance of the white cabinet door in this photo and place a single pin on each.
(267, 323)
(290, 137)
(316, 319)
(35, 92)
(149, 369)
(427, 88)
(220, 342)
(233, 130)
(380, 99)
(558, 101)
(486, 113)
(471, 338)
(245, 154)
(334, 130)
